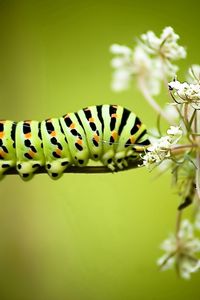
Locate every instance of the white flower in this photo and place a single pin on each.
(186, 93)
(121, 79)
(147, 68)
(120, 49)
(117, 62)
(150, 61)
(129, 63)
(180, 251)
(160, 148)
(156, 153)
(166, 45)
(174, 131)
(165, 48)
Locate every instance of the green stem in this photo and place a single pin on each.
(86, 169)
(152, 101)
(178, 223)
(197, 125)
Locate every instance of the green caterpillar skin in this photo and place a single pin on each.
(107, 133)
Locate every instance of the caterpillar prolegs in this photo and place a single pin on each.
(110, 134)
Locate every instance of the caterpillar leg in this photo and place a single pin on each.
(122, 158)
(108, 160)
(29, 154)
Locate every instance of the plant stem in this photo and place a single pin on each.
(178, 222)
(85, 170)
(178, 149)
(197, 125)
(151, 100)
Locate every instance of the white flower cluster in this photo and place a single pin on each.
(165, 46)
(161, 149)
(180, 251)
(186, 92)
(150, 60)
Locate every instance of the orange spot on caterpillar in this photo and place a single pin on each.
(31, 153)
(58, 151)
(91, 120)
(79, 141)
(114, 116)
(96, 138)
(2, 153)
(138, 126)
(132, 139)
(114, 135)
(27, 135)
(53, 133)
(2, 134)
(72, 126)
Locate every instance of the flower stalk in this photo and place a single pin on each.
(151, 101)
(197, 139)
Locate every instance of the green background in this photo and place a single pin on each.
(84, 236)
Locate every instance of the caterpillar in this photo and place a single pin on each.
(110, 134)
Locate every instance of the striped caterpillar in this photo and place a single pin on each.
(110, 134)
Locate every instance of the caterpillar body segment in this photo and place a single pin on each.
(131, 141)
(107, 133)
(7, 146)
(112, 120)
(55, 147)
(91, 121)
(29, 154)
(76, 138)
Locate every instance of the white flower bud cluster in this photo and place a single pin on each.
(149, 60)
(180, 251)
(166, 45)
(165, 48)
(186, 92)
(161, 149)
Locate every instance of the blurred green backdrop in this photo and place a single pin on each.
(85, 236)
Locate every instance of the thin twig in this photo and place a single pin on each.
(85, 170)
(179, 149)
